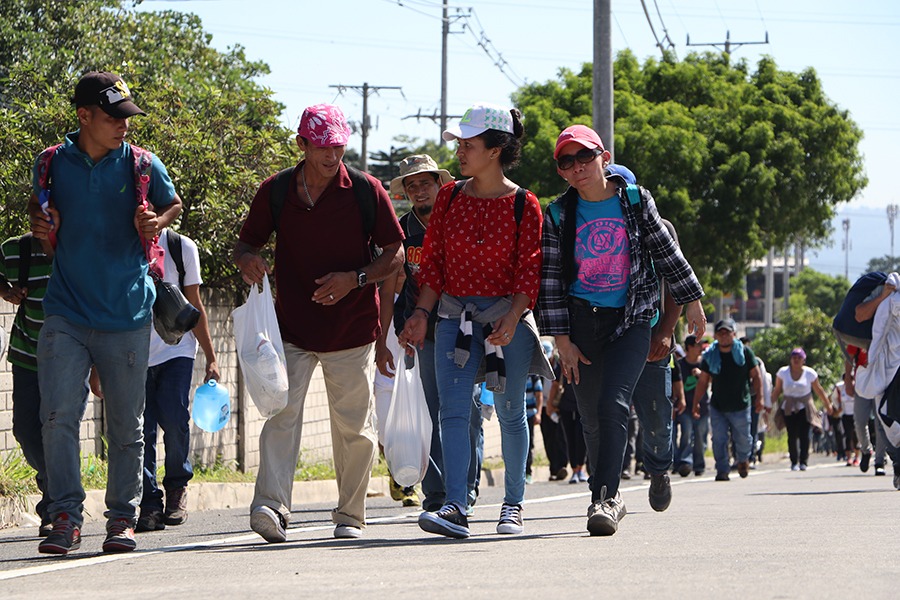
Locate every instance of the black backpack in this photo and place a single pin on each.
(362, 190)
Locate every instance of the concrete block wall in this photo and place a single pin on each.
(237, 444)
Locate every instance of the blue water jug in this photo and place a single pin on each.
(212, 407)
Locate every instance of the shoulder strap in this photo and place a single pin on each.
(24, 260)
(365, 197)
(457, 186)
(634, 194)
(174, 244)
(278, 193)
(519, 207)
(143, 162)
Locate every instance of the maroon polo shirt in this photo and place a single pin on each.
(312, 243)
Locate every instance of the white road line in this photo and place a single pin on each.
(74, 562)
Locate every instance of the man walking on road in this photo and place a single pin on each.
(327, 311)
(730, 366)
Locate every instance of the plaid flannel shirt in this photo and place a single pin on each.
(651, 249)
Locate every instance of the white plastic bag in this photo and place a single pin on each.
(407, 430)
(260, 351)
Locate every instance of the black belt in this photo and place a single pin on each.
(582, 303)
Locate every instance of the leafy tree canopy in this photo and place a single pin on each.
(216, 130)
(809, 328)
(738, 161)
(814, 289)
(886, 264)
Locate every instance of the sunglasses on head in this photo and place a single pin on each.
(584, 156)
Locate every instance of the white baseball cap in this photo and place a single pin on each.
(479, 119)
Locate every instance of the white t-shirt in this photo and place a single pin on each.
(160, 351)
(846, 399)
(799, 387)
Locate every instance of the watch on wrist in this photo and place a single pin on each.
(361, 279)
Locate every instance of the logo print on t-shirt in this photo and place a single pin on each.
(601, 249)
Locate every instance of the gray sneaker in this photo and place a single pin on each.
(604, 514)
(269, 524)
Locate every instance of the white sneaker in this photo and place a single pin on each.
(269, 524)
(510, 519)
(343, 532)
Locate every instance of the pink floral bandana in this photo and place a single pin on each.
(324, 125)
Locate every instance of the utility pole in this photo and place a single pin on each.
(445, 31)
(846, 247)
(892, 214)
(728, 44)
(603, 74)
(365, 89)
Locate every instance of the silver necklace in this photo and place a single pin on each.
(305, 188)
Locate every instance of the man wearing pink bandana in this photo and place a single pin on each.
(327, 311)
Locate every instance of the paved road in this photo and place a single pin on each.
(830, 532)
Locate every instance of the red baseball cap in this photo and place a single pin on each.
(581, 134)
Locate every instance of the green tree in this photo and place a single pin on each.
(217, 131)
(886, 264)
(809, 328)
(814, 289)
(738, 161)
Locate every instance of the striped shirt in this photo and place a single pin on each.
(30, 315)
(652, 252)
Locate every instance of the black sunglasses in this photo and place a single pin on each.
(584, 156)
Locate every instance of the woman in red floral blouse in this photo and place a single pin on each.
(482, 260)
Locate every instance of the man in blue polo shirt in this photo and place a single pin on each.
(98, 306)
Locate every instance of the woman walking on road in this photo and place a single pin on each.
(797, 382)
(482, 260)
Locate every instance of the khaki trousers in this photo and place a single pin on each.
(348, 384)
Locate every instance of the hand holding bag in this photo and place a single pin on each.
(407, 431)
(260, 350)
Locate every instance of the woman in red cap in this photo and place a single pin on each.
(599, 294)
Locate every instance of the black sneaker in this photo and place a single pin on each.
(64, 537)
(510, 519)
(879, 470)
(604, 514)
(269, 524)
(176, 506)
(150, 520)
(864, 461)
(449, 521)
(119, 536)
(684, 470)
(722, 477)
(660, 492)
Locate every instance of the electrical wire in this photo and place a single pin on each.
(652, 30)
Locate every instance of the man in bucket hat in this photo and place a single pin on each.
(98, 304)
(327, 311)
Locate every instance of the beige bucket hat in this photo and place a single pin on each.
(413, 165)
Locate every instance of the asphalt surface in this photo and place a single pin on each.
(829, 532)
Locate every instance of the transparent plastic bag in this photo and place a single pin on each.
(407, 429)
(260, 351)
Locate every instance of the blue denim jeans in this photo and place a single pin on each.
(737, 423)
(691, 448)
(168, 401)
(455, 387)
(652, 402)
(605, 389)
(27, 429)
(66, 352)
(433, 483)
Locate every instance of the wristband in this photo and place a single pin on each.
(424, 310)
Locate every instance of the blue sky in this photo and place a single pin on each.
(311, 45)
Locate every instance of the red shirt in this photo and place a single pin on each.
(312, 243)
(472, 249)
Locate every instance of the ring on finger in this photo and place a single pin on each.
(331, 296)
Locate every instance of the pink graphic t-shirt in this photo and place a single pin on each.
(601, 253)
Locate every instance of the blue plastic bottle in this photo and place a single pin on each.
(212, 407)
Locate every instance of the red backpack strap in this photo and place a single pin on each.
(44, 160)
(143, 162)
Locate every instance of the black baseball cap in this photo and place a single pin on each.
(725, 324)
(109, 92)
